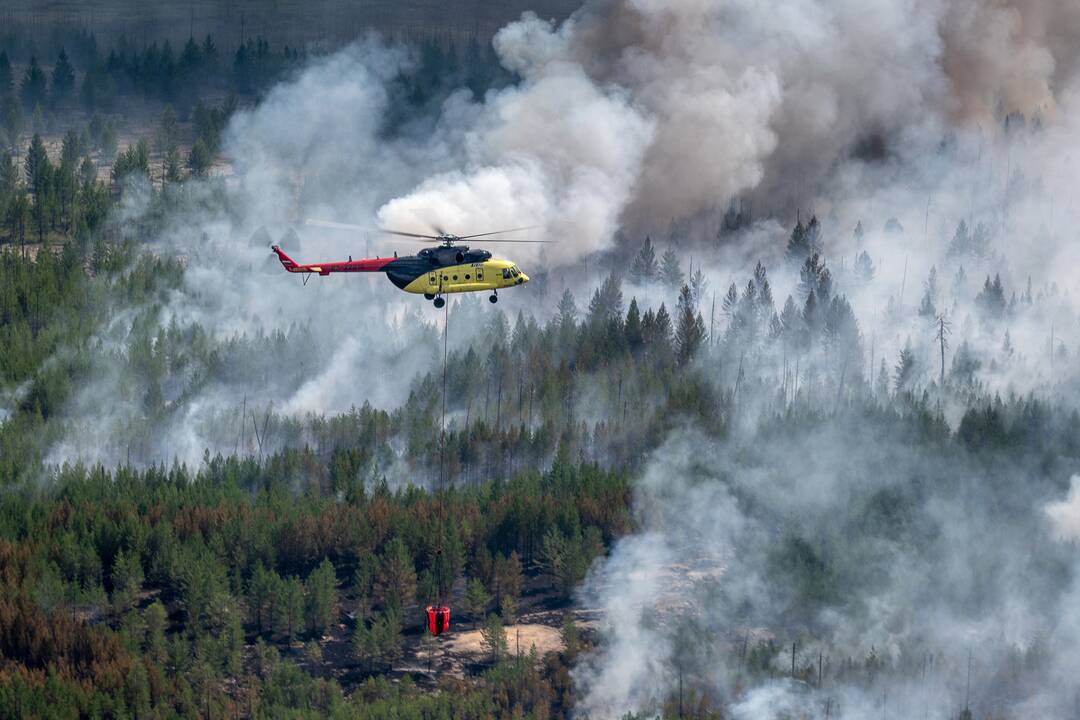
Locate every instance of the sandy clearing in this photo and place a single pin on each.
(523, 636)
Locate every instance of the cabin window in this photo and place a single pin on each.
(445, 278)
(466, 276)
(431, 279)
(479, 274)
(455, 278)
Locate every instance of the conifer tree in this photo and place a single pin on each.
(670, 270)
(904, 373)
(396, 582)
(36, 165)
(645, 268)
(199, 158)
(63, 79)
(32, 90)
(493, 637)
(477, 599)
(690, 328)
(6, 77)
(321, 597)
(567, 313)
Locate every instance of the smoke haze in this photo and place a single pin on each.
(902, 117)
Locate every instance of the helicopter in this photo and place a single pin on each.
(433, 272)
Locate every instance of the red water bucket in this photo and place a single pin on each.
(438, 619)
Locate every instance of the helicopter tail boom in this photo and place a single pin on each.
(350, 265)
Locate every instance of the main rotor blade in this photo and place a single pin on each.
(336, 225)
(500, 232)
(412, 235)
(516, 241)
(349, 226)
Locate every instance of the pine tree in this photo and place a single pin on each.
(662, 328)
(632, 328)
(964, 364)
(493, 637)
(291, 609)
(508, 577)
(108, 141)
(6, 77)
(127, 578)
(567, 310)
(991, 300)
(172, 166)
(606, 301)
(37, 165)
(814, 276)
(812, 316)
(699, 286)
(508, 609)
(209, 50)
(396, 582)
(156, 621)
(18, 215)
(32, 90)
(167, 135)
(690, 328)
(904, 372)
(264, 594)
(87, 173)
(731, 302)
(569, 635)
(943, 330)
(928, 306)
(645, 268)
(477, 599)
(766, 304)
(797, 247)
(63, 79)
(12, 118)
(864, 268)
(791, 323)
(9, 177)
(670, 270)
(961, 240)
(814, 243)
(321, 597)
(199, 158)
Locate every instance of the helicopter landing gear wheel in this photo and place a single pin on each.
(439, 302)
(429, 296)
(493, 299)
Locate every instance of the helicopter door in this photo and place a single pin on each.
(432, 280)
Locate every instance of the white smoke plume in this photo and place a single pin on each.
(636, 112)
(1065, 514)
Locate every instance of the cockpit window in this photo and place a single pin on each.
(506, 274)
(514, 271)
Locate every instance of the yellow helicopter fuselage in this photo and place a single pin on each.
(468, 277)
